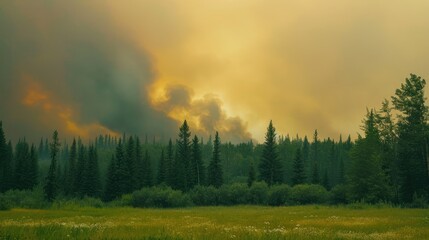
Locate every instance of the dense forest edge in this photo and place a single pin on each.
(388, 164)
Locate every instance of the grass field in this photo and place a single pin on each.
(243, 222)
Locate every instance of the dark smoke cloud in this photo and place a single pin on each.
(205, 115)
(72, 50)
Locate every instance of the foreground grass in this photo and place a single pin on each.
(243, 222)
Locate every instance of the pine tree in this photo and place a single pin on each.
(298, 176)
(367, 180)
(183, 157)
(270, 167)
(79, 184)
(92, 185)
(70, 174)
(169, 162)
(111, 190)
(196, 165)
(51, 186)
(147, 170)
(315, 151)
(33, 172)
(251, 177)
(162, 170)
(123, 176)
(215, 174)
(139, 164)
(130, 157)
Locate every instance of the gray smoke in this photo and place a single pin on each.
(73, 51)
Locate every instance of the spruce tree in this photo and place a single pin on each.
(196, 165)
(298, 176)
(162, 170)
(270, 167)
(70, 174)
(4, 162)
(147, 170)
(315, 176)
(33, 172)
(130, 156)
(413, 148)
(79, 184)
(111, 190)
(169, 162)
(123, 176)
(251, 176)
(183, 157)
(139, 164)
(215, 173)
(367, 179)
(51, 185)
(92, 185)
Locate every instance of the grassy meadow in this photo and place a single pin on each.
(242, 222)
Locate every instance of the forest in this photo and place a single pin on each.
(387, 163)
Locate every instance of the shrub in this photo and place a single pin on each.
(205, 196)
(159, 198)
(279, 195)
(418, 202)
(33, 199)
(309, 194)
(339, 194)
(258, 193)
(234, 194)
(4, 205)
(76, 203)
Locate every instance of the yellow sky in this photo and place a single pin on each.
(304, 64)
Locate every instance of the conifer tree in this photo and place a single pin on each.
(215, 173)
(196, 165)
(70, 174)
(130, 157)
(413, 147)
(51, 186)
(4, 162)
(315, 177)
(139, 164)
(111, 190)
(170, 165)
(251, 176)
(123, 176)
(298, 176)
(270, 167)
(162, 170)
(79, 187)
(92, 185)
(33, 171)
(147, 170)
(183, 157)
(367, 179)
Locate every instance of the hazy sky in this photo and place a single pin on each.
(228, 65)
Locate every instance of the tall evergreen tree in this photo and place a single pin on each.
(298, 176)
(315, 177)
(139, 163)
(51, 185)
(196, 164)
(5, 162)
(92, 185)
(251, 176)
(79, 184)
(130, 157)
(367, 179)
(33, 170)
(70, 174)
(22, 163)
(183, 157)
(215, 173)
(123, 176)
(169, 162)
(162, 169)
(409, 101)
(111, 189)
(270, 167)
(147, 170)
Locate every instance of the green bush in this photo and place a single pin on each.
(234, 194)
(418, 202)
(279, 195)
(258, 193)
(76, 203)
(339, 194)
(157, 197)
(4, 205)
(33, 199)
(205, 196)
(309, 194)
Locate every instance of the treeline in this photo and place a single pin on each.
(388, 163)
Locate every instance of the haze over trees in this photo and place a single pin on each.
(388, 162)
